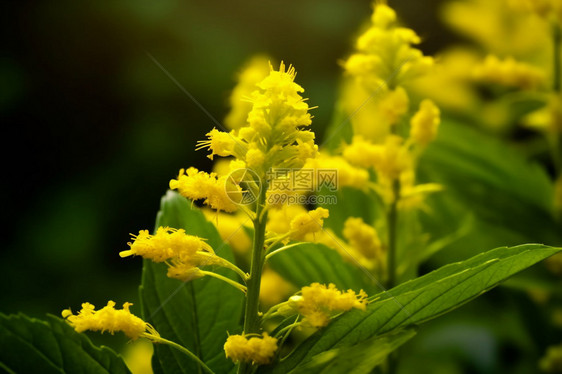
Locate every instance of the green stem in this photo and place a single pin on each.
(269, 255)
(251, 317)
(184, 350)
(225, 279)
(392, 222)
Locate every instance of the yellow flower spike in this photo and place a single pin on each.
(385, 57)
(424, 123)
(508, 72)
(318, 303)
(253, 73)
(109, 319)
(309, 222)
(257, 350)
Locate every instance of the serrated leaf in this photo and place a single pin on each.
(418, 300)
(357, 359)
(310, 262)
(196, 314)
(29, 345)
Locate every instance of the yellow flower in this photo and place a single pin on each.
(218, 192)
(183, 253)
(425, 122)
(109, 319)
(508, 72)
(309, 222)
(220, 143)
(273, 136)
(256, 350)
(274, 289)
(385, 57)
(388, 159)
(318, 303)
(347, 175)
(363, 238)
(279, 220)
(253, 73)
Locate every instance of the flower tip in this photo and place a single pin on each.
(126, 253)
(66, 313)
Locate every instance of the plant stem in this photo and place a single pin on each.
(392, 222)
(251, 317)
(225, 279)
(183, 350)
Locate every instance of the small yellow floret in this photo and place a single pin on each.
(309, 222)
(183, 253)
(318, 303)
(217, 192)
(256, 350)
(109, 319)
(425, 122)
(220, 143)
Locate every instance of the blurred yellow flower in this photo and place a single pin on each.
(257, 350)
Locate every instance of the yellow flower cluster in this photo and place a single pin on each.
(256, 350)
(424, 124)
(183, 253)
(385, 57)
(307, 223)
(220, 193)
(318, 303)
(253, 73)
(363, 239)
(508, 72)
(347, 174)
(273, 137)
(295, 221)
(389, 159)
(109, 319)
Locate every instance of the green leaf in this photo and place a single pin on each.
(357, 359)
(418, 300)
(310, 262)
(509, 197)
(29, 345)
(196, 314)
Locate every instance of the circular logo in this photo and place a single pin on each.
(243, 186)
